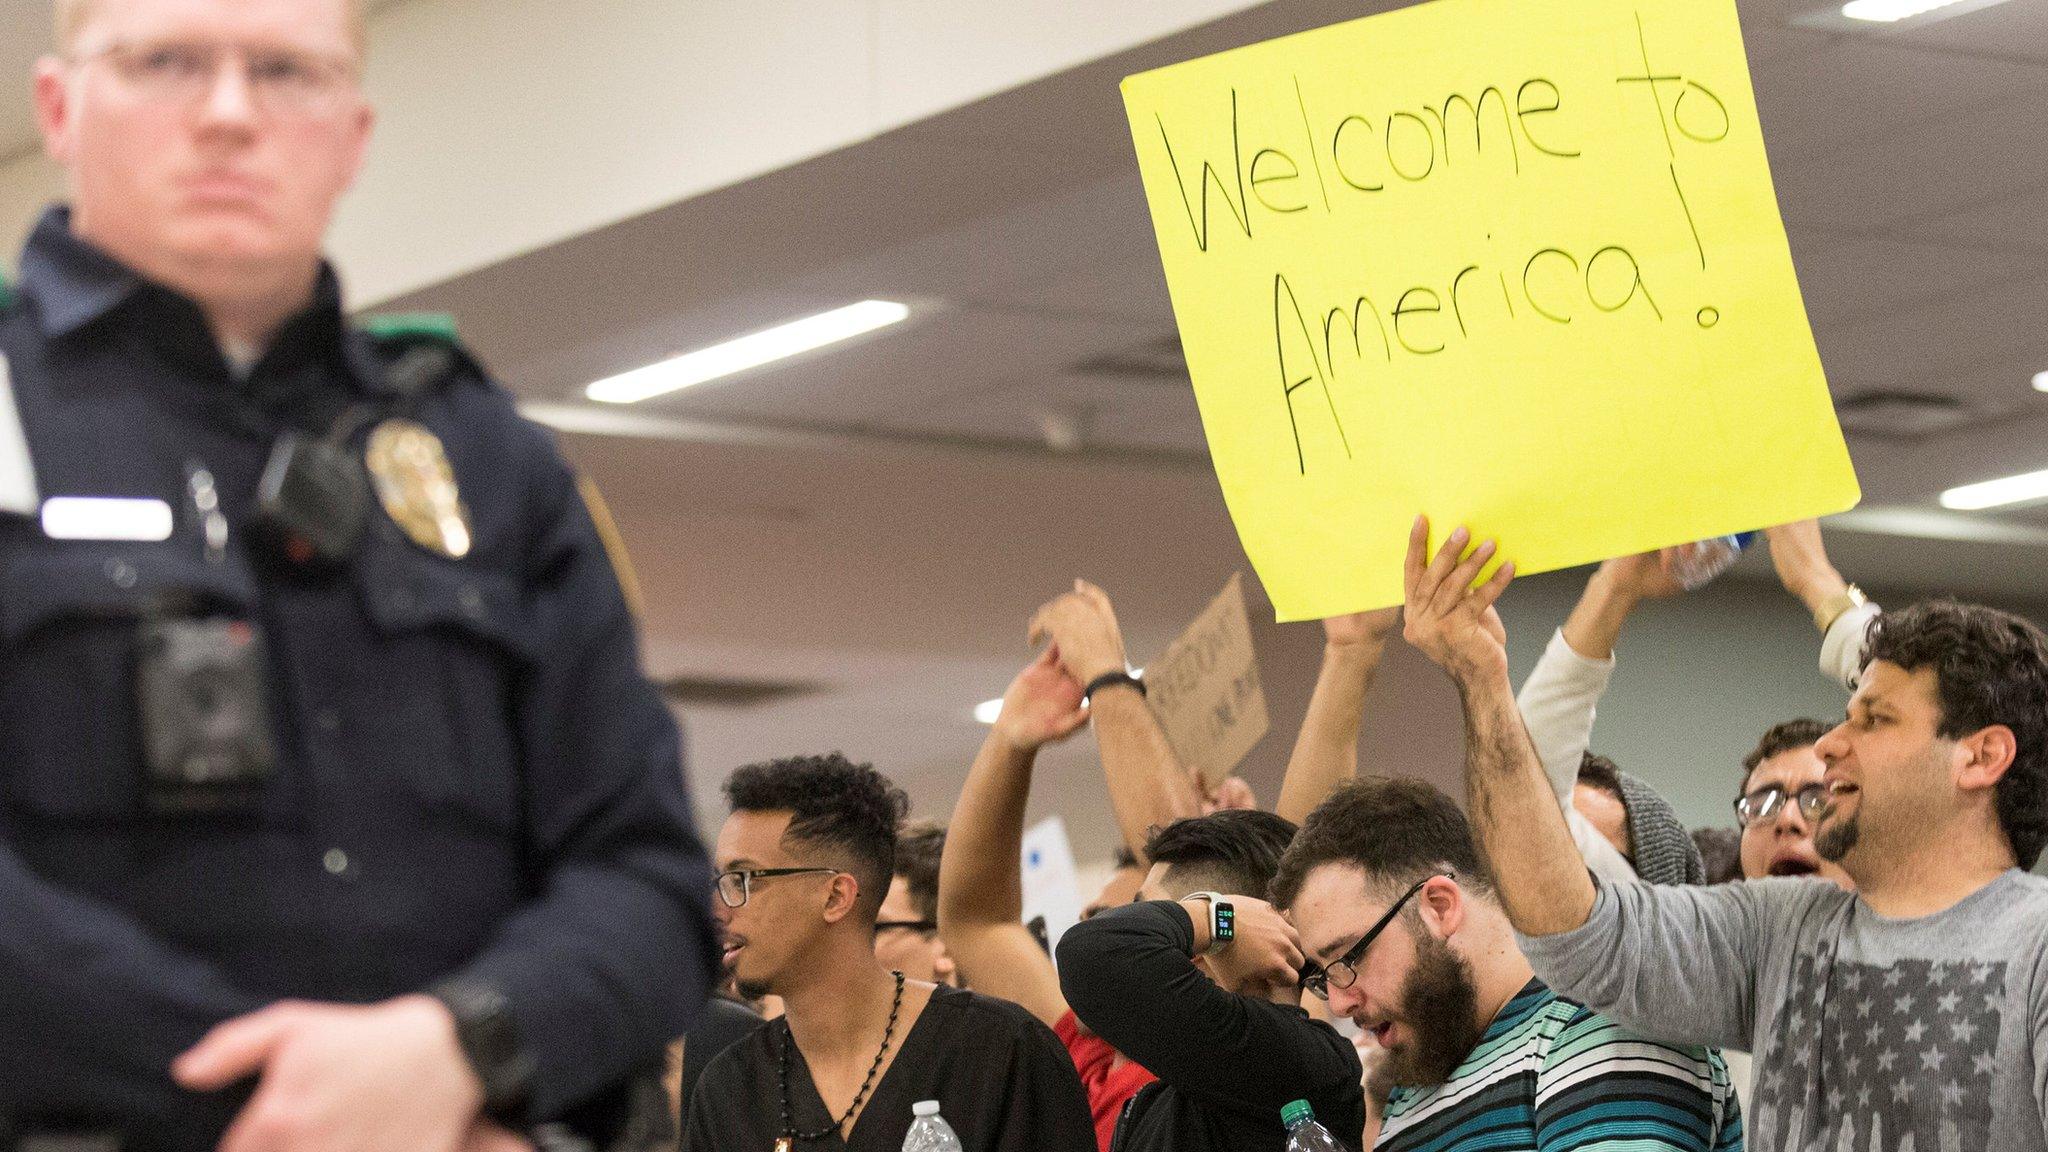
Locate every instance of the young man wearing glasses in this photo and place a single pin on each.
(1909, 1012)
(907, 934)
(1404, 936)
(1201, 987)
(803, 862)
(1777, 837)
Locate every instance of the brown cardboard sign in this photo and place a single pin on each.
(1205, 688)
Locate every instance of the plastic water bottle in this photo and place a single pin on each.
(1303, 1133)
(1695, 565)
(930, 1132)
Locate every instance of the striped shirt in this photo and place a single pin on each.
(1551, 1075)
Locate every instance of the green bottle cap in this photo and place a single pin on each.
(410, 325)
(1297, 1112)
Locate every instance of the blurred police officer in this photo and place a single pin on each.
(335, 812)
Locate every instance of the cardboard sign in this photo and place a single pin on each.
(1205, 688)
(1513, 264)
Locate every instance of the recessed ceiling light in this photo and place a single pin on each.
(988, 710)
(1997, 493)
(749, 351)
(1893, 11)
(2041, 381)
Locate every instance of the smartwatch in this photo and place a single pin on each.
(1222, 918)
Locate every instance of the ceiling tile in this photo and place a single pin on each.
(2019, 221)
(1866, 277)
(1854, 89)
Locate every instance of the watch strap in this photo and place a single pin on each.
(489, 1036)
(1222, 918)
(1110, 680)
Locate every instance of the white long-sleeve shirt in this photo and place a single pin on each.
(1558, 702)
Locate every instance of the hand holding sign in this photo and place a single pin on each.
(1517, 264)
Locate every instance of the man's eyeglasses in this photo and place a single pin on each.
(734, 887)
(282, 81)
(926, 927)
(1765, 802)
(1343, 971)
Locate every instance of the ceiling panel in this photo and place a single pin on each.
(1937, 344)
(1854, 89)
(1106, 413)
(2016, 29)
(2014, 222)
(1995, 150)
(1866, 277)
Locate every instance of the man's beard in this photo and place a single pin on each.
(1834, 841)
(1440, 1005)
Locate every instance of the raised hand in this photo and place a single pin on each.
(1042, 705)
(1232, 793)
(1082, 625)
(1644, 576)
(1452, 622)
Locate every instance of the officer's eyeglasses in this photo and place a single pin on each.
(1764, 803)
(735, 887)
(282, 81)
(1343, 971)
(925, 928)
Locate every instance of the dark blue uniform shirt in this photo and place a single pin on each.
(473, 778)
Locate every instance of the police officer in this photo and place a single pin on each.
(335, 811)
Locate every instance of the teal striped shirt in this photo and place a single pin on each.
(1550, 1075)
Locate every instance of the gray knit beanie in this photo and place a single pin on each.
(1664, 851)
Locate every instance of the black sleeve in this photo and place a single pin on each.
(1128, 975)
(616, 953)
(722, 1025)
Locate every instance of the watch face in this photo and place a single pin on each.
(1226, 922)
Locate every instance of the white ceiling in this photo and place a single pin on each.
(882, 518)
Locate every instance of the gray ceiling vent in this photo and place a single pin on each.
(1158, 360)
(1902, 415)
(713, 692)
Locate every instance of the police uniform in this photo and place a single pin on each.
(468, 782)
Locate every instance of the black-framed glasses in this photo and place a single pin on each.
(1343, 971)
(1765, 802)
(734, 887)
(926, 927)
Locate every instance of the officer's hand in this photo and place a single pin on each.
(387, 1077)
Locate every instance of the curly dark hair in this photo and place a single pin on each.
(1234, 851)
(919, 844)
(1801, 733)
(1990, 667)
(1600, 772)
(847, 809)
(1399, 831)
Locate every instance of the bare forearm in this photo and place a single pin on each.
(1326, 753)
(1596, 620)
(1543, 881)
(1801, 560)
(1148, 787)
(980, 874)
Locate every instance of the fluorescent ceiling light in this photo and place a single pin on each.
(1893, 11)
(749, 351)
(2041, 381)
(1997, 493)
(96, 518)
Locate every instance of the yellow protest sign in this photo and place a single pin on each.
(1515, 264)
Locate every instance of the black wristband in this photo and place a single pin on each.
(1110, 679)
(490, 1041)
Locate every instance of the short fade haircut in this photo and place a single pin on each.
(1234, 851)
(1398, 831)
(1602, 773)
(919, 845)
(1804, 732)
(848, 810)
(69, 17)
(1990, 667)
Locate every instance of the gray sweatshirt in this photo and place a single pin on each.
(1923, 1035)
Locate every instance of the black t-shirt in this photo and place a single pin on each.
(1226, 1063)
(1002, 1079)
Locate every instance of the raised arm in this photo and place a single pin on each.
(981, 881)
(1839, 610)
(1515, 813)
(1148, 786)
(1562, 694)
(1326, 751)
